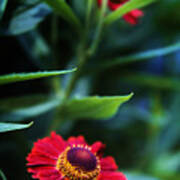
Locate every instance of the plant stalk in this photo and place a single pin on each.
(83, 55)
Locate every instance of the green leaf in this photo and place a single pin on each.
(37, 48)
(127, 7)
(16, 77)
(3, 4)
(152, 81)
(166, 164)
(94, 107)
(141, 56)
(138, 176)
(2, 175)
(20, 108)
(29, 19)
(5, 127)
(62, 8)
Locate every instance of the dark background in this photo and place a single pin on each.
(144, 135)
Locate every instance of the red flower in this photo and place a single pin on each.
(131, 17)
(52, 158)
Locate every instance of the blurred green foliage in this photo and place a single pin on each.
(41, 38)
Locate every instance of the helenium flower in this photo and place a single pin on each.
(131, 17)
(53, 158)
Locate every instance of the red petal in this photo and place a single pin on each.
(50, 175)
(50, 147)
(99, 2)
(45, 149)
(34, 159)
(98, 148)
(37, 170)
(130, 19)
(43, 157)
(137, 13)
(112, 176)
(114, 6)
(45, 173)
(58, 141)
(76, 140)
(108, 164)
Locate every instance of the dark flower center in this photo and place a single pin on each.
(82, 158)
(77, 162)
(118, 1)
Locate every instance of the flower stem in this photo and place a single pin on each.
(58, 117)
(83, 55)
(100, 25)
(88, 15)
(55, 81)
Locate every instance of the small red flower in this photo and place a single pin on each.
(53, 158)
(131, 17)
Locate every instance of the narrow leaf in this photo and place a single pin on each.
(139, 176)
(2, 175)
(166, 164)
(152, 81)
(20, 108)
(142, 56)
(62, 8)
(94, 107)
(127, 7)
(5, 127)
(3, 4)
(28, 19)
(16, 77)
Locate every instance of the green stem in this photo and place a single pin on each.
(100, 26)
(153, 131)
(54, 39)
(75, 77)
(83, 56)
(57, 120)
(2, 175)
(56, 86)
(88, 15)
(55, 82)
(82, 47)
